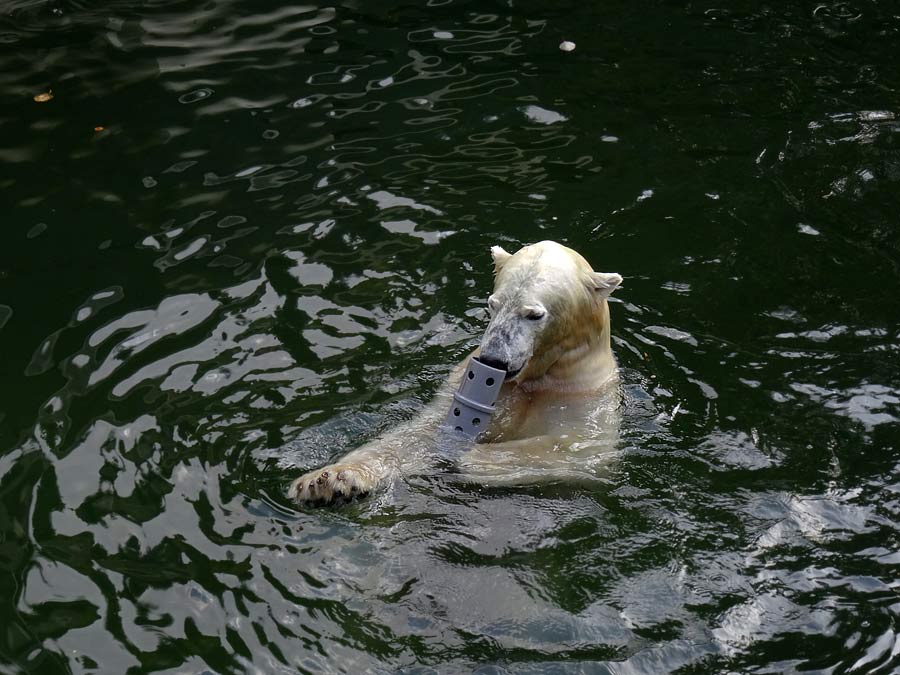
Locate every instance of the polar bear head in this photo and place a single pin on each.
(548, 306)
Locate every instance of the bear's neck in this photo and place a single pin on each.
(582, 361)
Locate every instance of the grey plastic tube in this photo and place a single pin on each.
(473, 402)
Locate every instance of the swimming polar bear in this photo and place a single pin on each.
(549, 330)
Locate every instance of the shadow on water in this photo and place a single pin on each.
(242, 238)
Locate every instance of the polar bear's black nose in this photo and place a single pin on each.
(499, 364)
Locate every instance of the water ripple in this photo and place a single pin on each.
(243, 239)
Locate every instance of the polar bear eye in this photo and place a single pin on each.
(535, 313)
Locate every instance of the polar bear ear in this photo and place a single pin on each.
(500, 257)
(605, 282)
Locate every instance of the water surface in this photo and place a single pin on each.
(242, 238)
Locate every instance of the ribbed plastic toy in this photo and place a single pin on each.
(473, 402)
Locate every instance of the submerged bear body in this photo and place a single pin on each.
(558, 408)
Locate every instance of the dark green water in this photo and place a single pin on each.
(277, 247)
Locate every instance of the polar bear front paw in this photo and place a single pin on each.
(332, 483)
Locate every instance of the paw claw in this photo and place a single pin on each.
(335, 483)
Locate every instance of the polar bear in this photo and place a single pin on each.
(550, 332)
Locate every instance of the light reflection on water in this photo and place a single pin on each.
(276, 247)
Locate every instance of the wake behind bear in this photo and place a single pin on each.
(557, 411)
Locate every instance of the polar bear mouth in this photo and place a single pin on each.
(511, 374)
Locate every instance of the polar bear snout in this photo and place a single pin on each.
(507, 345)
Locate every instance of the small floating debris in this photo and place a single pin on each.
(43, 98)
(567, 46)
(808, 229)
(99, 128)
(541, 115)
